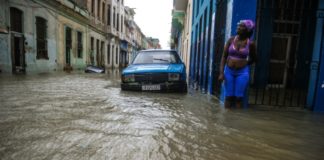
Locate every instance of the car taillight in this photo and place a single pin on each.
(174, 77)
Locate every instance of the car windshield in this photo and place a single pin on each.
(156, 57)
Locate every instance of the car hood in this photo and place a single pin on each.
(154, 68)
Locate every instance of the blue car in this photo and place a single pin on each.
(155, 70)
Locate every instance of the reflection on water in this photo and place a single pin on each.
(87, 116)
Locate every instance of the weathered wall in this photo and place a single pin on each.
(5, 59)
(113, 53)
(4, 19)
(34, 64)
(29, 32)
(76, 63)
(100, 37)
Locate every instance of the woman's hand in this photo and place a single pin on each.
(221, 77)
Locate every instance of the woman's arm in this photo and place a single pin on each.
(224, 58)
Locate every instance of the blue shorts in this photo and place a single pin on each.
(236, 81)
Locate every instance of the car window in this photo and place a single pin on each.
(156, 57)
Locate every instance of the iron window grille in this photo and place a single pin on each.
(41, 38)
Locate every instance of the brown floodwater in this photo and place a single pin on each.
(67, 116)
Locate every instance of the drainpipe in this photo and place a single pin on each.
(316, 55)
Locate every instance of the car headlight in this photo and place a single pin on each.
(174, 77)
(129, 78)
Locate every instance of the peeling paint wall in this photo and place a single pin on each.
(34, 64)
(4, 21)
(30, 12)
(60, 14)
(101, 38)
(114, 53)
(62, 24)
(56, 23)
(5, 59)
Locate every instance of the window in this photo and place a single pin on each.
(98, 50)
(114, 17)
(108, 15)
(112, 53)
(93, 7)
(41, 38)
(117, 22)
(108, 53)
(159, 57)
(98, 9)
(91, 51)
(79, 45)
(101, 63)
(116, 55)
(92, 44)
(122, 23)
(103, 12)
(68, 44)
(16, 20)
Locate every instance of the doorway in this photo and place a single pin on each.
(17, 40)
(68, 45)
(285, 37)
(219, 42)
(17, 53)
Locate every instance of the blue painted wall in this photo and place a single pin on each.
(305, 49)
(315, 90)
(316, 56)
(201, 38)
(202, 42)
(202, 57)
(5, 57)
(243, 10)
(319, 100)
(263, 50)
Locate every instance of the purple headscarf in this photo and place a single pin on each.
(249, 24)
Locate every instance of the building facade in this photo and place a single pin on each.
(154, 43)
(288, 35)
(47, 36)
(42, 36)
(181, 30)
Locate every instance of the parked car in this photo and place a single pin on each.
(155, 70)
(94, 69)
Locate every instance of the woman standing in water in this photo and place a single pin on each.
(239, 53)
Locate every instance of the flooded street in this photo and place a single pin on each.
(67, 116)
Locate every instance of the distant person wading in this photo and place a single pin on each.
(239, 53)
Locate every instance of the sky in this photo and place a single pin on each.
(154, 18)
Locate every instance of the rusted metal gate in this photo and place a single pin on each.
(221, 10)
(281, 77)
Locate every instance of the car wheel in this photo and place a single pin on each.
(185, 89)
